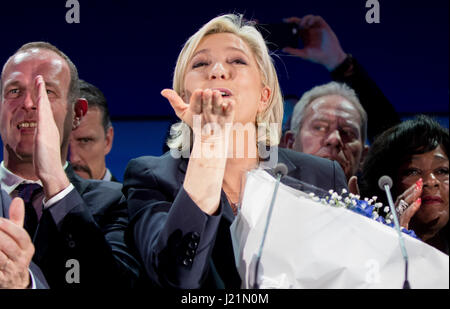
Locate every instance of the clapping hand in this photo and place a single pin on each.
(16, 248)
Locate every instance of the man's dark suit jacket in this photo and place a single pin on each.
(181, 246)
(39, 278)
(87, 225)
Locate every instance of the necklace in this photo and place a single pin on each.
(234, 205)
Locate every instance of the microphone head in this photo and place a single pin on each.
(385, 180)
(281, 168)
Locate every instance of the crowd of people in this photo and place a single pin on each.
(168, 225)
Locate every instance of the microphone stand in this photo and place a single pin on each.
(272, 202)
(400, 236)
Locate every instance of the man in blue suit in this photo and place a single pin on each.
(16, 249)
(76, 225)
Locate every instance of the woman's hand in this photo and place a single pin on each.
(408, 203)
(183, 110)
(211, 118)
(207, 103)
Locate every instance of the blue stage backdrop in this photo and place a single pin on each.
(129, 48)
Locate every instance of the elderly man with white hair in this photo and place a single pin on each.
(330, 122)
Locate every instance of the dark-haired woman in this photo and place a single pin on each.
(414, 154)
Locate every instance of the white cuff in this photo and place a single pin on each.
(58, 196)
(33, 283)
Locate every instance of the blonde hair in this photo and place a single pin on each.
(180, 132)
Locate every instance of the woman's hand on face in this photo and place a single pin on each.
(217, 115)
(208, 105)
(408, 203)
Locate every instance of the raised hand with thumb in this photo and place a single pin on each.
(16, 248)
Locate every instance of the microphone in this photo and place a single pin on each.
(385, 184)
(280, 170)
(383, 181)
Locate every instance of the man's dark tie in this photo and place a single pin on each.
(28, 192)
